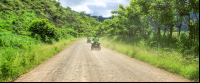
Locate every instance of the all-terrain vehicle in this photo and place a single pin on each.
(95, 45)
(88, 41)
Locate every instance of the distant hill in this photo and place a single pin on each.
(101, 18)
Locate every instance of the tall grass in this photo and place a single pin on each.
(19, 54)
(161, 53)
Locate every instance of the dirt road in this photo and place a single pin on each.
(77, 63)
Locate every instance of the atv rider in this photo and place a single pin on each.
(88, 38)
(95, 39)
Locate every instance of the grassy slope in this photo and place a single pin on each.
(171, 61)
(21, 56)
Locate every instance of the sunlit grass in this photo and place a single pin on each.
(171, 61)
(14, 60)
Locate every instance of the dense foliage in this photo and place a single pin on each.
(141, 18)
(17, 14)
(44, 29)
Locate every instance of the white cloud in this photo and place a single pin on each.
(81, 8)
(94, 7)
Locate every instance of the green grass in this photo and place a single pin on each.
(170, 60)
(20, 54)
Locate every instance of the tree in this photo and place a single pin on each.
(44, 29)
(68, 8)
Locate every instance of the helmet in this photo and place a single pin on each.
(95, 36)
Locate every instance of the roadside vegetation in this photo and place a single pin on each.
(162, 55)
(162, 33)
(21, 54)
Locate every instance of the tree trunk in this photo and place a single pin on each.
(158, 30)
(179, 28)
(171, 30)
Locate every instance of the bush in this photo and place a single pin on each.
(2, 30)
(43, 28)
(71, 32)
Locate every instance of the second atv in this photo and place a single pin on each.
(88, 40)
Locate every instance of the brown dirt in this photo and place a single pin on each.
(77, 63)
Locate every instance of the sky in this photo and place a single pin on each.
(94, 7)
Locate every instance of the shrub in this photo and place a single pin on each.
(43, 28)
(2, 30)
(71, 32)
